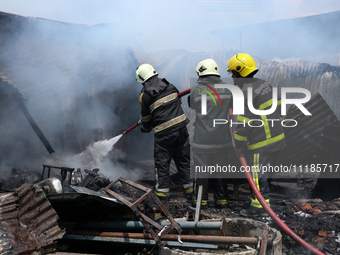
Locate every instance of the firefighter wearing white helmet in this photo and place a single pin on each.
(262, 143)
(210, 144)
(161, 110)
(144, 72)
(207, 67)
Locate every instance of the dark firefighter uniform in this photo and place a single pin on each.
(262, 141)
(210, 144)
(162, 111)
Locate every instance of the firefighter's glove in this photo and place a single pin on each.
(238, 152)
(143, 130)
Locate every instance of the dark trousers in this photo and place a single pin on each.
(219, 184)
(167, 147)
(256, 160)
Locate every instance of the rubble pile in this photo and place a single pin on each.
(84, 208)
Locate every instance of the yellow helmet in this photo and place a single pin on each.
(242, 63)
(207, 67)
(144, 72)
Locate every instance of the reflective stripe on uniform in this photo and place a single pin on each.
(264, 118)
(188, 191)
(162, 194)
(240, 138)
(170, 123)
(255, 169)
(266, 126)
(221, 201)
(266, 142)
(241, 118)
(188, 188)
(140, 99)
(203, 202)
(266, 104)
(257, 204)
(161, 101)
(255, 173)
(198, 99)
(213, 146)
(146, 118)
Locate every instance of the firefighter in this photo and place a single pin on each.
(210, 144)
(162, 111)
(261, 143)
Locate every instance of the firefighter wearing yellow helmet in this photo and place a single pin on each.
(243, 64)
(161, 111)
(262, 143)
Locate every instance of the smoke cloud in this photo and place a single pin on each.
(153, 26)
(79, 80)
(80, 87)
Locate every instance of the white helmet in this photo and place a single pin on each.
(144, 72)
(207, 67)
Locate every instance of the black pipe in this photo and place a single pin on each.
(13, 92)
(34, 125)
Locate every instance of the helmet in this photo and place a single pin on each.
(207, 67)
(144, 72)
(242, 63)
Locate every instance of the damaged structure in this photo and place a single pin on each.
(28, 222)
(73, 87)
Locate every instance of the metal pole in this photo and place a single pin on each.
(198, 204)
(139, 241)
(168, 237)
(264, 242)
(112, 225)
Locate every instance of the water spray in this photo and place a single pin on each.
(98, 150)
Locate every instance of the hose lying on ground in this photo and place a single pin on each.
(269, 210)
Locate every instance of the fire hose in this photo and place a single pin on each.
(257, 193)
(269, 210)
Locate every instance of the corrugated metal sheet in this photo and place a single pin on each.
(28, 221)
(8, 206)
(8, 221)
(38, 215)
(305, 142)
